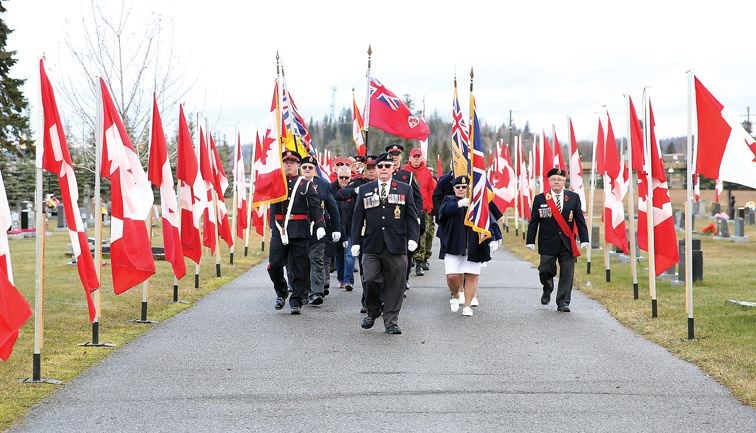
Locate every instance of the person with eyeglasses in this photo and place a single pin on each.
(343, 257)
(461, 251)
(317, 246)
(395, 153)
(557, 217)
(292, 224)
(385, 226)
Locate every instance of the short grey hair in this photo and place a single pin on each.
(344, 170)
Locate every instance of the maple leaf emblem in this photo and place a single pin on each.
(267, 142)
(752, 145)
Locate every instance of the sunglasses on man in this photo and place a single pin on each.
(460, 186)
(384, 165)
(308, 167)
(344, 177)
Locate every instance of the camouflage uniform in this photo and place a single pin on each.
(423, 252)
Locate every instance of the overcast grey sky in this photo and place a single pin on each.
(543, 60)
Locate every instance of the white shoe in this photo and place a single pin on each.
(467, 311)
(461, 298)
(474, 302)
(454, 305)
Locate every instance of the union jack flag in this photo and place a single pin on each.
(294, 123)
(389, 99)
(460, 139)
(477, 213)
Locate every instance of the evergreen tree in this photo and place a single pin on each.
(14, 120)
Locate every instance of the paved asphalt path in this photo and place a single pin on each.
(231, 363)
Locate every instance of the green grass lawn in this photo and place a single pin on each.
(66, 322)
(725, 335)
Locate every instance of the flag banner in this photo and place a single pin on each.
(159, 173)
(524, 196)
(439, 166)
(718, 188)
(389, 114)
(57, 159)
(576, 170)
(220, 183)
(14, 310)
(269, 178)
(477, 215)
(209, 216)
(131, 196)
(503, 180)
(615, 188)
(725, 150)
(191, 188)
(665, 237)
(240, 186)
(558, 157)
(358, 125)
(696, 187)
(636, 137)
(258, 219)
(295, 135)
(547, 163)
(460, 145)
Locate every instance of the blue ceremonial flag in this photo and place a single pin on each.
(477, 213)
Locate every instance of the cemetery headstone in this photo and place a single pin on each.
(739, 227)
(722, 229)
(61, 217)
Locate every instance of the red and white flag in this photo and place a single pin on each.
(159, 173)
(258, 218)
(504, 183)
(696, 187)
(14, 310)
(131, 195)
(220, 183)
(718, 188)
(524, 197)
(636, 138)
(576, 170)
(615, 187)
(725, 150)
(558, 157)
(547, 162)
(57, 159)
(358, 125)
(209, 216)
(388, 113)
(269, 178)
(191, 189)
(665, 237)
(240, 186)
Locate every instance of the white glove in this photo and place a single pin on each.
(530, 247)
(463, 202)
(411, 245)
(357, 190)
(320, 233)
(335, 236)
(345, 244)
(584, 245)
(493, 246)
(355, 250)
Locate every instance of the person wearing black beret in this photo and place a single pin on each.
(557, 217)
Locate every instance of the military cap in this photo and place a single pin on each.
(309, 160)
(290, 154)
(370, 160)
(383, 157)
(394, 148)
(461, 180)
(556, 171)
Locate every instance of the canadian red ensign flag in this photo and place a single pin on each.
(131, 197)
(388, 113)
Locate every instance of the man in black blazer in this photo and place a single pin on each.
(558, 217)
(384, 228)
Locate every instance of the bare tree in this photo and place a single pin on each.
(135, 59)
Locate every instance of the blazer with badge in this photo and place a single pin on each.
(550, 236)
(306, 209)
(404, 176)
(328, 205)
(390, 224)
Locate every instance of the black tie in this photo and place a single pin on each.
(558, 202)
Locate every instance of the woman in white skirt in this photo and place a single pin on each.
(460, 249)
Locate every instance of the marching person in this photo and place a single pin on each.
(424, 177)
(558, 218)
(384, 228)
(290, 234)
(461, 250)
(344, 259)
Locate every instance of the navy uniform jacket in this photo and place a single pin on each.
(388, 225)
(345, 196)
(459, 239)
(328, 205)
(405, 176)
(306, 209)
(550, 236)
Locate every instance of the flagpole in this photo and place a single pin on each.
(39, 286)
(606, 183)
(631, 203)
(470, 132)
(517, 183)
(590, 206)
(197, 155)
(250, 196)
(650, 205)
(146, 283)
(235, 197)
(366, 111)
(178, 201)
(214, 202)
(688, 216)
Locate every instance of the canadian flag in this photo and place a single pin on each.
(615, 187)
(159, 173)
(636, 137)
(190, 190)
(220, 183)
(57, 159)
(576, 169)
(14, 310)
(258, 218)
(388, 113)
(504, 182)
(725, 150)
(209, 215)
(270, 180)
(558, 157)
(718, 188)
(665, 237)
(524, 198)
(696, 187)
(358, 125)
(547, 163)
(240, 186)
(131, 195)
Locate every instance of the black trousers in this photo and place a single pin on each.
(384, 283)
(278, 257)
(547, 270)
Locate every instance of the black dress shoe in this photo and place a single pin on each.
(363, 310)
(545, 299)
(316, 299)
(563, 309)
(393, 329)
(280, 303)
(368, 322)
(419, 271)
(348, 287)
(296, 310)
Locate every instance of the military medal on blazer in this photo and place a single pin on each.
(559, 219)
